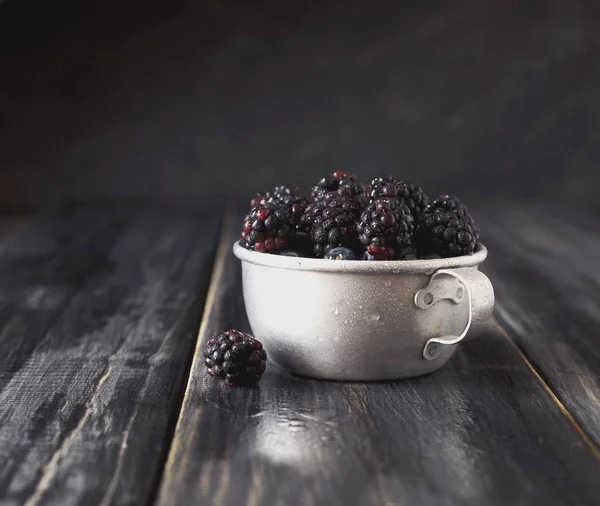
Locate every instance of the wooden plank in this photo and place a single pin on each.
(481, 431)
(544, 266)
(41, 268)
(87, 412)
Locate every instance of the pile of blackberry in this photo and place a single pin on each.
(386, 219)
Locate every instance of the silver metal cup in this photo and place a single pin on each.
(359, 320)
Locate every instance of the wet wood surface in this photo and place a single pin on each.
(104, 398)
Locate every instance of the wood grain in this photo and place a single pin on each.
(544, 266)
(96, 345)
(481, 431)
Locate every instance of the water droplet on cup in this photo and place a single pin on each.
(375, 317)
(336, 311)
(387, 282)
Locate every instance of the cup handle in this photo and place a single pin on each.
(447, 284)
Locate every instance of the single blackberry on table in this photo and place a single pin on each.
(235, 357)
(385, 226)
(267, 228)
(445, 234)
(332, 223)
(343, 183)
(450, 203)
(340, 253)
(287, 195)
(389, 187)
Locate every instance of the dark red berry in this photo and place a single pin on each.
(450, 203)
(332, 223)
(446, 233)
(340, 183)
(388, 219)
(262, 213)
(412, 196)
(267, 228)
(385, 226)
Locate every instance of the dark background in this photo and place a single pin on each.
(176, 101)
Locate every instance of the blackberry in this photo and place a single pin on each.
(343, 183)
(332, 223)
(287, 195)
(340, 254)
(409, 253)
(413, 196)
(310, 213)
(385, 226)
(445, 234)
(267, 228)
(302, 244)
(450, 203)
(235, 357)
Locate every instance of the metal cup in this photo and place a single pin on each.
(360, 320)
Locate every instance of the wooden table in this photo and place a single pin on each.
(104, 399)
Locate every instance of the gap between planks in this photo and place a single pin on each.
(555, 399)
(224, 244)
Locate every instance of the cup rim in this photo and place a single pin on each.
(358, 266)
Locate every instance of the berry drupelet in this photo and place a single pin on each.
(343, 183)
(332, 223)
(450, 203)
(413, 196)
(385, 227)
(235, 357)
(267, 228)
(445, 234)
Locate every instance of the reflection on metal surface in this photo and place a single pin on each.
(426, 298)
